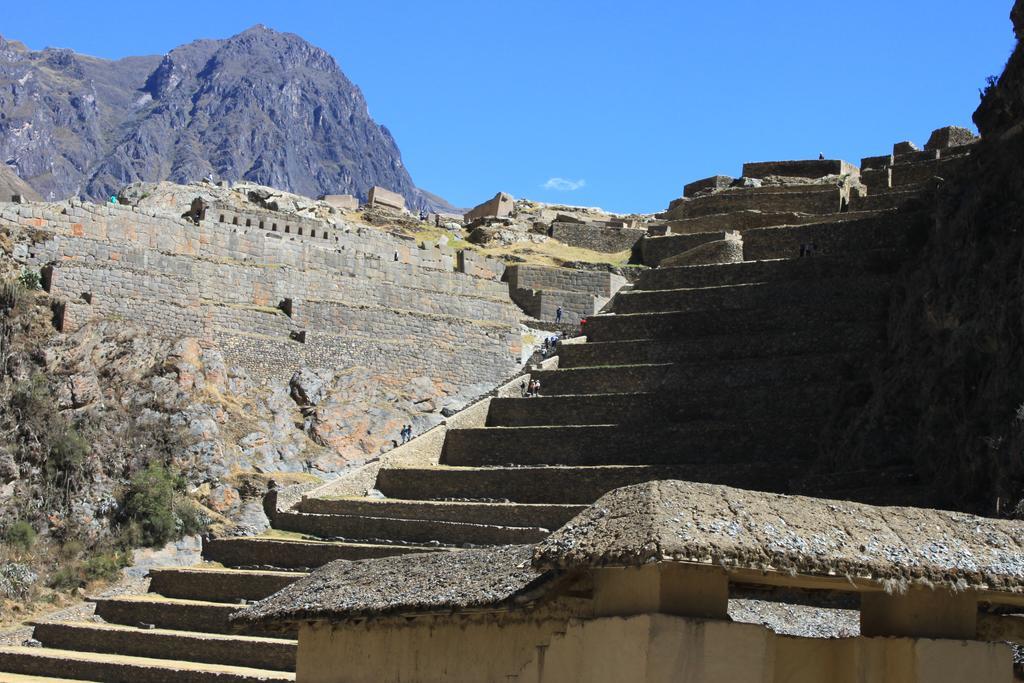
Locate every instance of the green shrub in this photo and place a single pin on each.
(70, 550)
(65, 579)
(66, 461)
(102, 566)
(191, 519)
(20, 535)
(149, 504)
(105, 566)
(30, 280)
(49, 438)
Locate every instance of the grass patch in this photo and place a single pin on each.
(554, 253)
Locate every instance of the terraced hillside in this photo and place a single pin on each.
(723, 372)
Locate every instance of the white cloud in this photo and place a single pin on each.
(563, 185)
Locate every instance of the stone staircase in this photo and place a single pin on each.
(717, 373)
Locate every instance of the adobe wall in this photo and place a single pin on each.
(546, 646)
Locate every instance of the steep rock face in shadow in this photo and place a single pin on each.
(261, 106)
(948, 400)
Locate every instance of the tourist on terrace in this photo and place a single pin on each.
(558, 315)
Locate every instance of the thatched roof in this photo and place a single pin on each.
(673, 521)
(685, 521)
(483, 577)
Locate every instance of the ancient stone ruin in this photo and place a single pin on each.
(723, 370)
(659, 508)
(378, 196)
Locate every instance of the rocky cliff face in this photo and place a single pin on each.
(949, 399)
(261, 106)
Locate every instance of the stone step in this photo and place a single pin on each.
(576, 409)
(894, 230)
(822, 292)
(218, 585)
(264, 553)
(574, 485)
(385, 529)
(175, 614)
(625, 379)
(96, 666)
(892, 199)
(497, 514)
(792, 316)
(639, 409)
(881, 261)
(260, 653)
(777, 344)
(712, 442)
(700, 378)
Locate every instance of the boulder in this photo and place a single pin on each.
(307, 387)
(79, 390)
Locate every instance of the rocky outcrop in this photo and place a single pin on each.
(11, 185)
(261, 106)
(947, 399)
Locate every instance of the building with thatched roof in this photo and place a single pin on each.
(637, 587)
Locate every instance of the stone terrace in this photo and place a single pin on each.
(276, 292)
(719, 373)
(713, 206)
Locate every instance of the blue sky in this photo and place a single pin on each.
(612, 104)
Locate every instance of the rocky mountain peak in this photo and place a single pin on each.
(262, 106)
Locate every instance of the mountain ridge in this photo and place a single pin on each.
(263, 106)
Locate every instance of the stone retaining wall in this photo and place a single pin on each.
(803, 198)
(803, 168)
(609, 240)
(275, 301)
(543, 304)
(596, 282)
(884, 231)
(654, 250)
